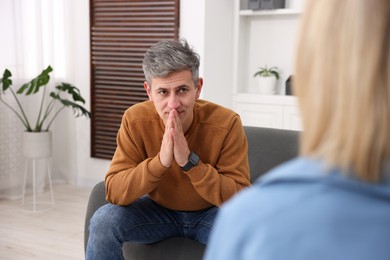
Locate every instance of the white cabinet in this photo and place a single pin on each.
(261, 115)
(268, 111)
(264, 37)
(291, 118)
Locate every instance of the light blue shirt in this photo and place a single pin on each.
(299, 212)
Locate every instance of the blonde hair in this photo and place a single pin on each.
(342, 81)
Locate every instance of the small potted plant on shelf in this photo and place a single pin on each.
(267, 78)
(64, 95)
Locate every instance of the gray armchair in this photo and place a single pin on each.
(267, 148)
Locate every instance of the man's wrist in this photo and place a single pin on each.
(193, 160)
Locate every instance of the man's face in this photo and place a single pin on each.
(176, 91)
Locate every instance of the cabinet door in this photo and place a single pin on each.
(291, 118)
(260, 115)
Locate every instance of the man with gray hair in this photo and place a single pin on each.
(178, 158)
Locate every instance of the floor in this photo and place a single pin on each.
(53, 234)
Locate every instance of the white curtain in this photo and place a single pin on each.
(34, 34)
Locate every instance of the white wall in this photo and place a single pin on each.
(218, 52)
(89, 170)
(208, 26)
(192, 26)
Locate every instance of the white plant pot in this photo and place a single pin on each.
(267, 85)
(37, 145)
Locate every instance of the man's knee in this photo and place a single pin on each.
(106, 218)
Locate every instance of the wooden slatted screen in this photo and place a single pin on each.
(121, 31)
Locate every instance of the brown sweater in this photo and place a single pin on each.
(216, 135)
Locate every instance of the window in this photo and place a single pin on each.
(121, 31)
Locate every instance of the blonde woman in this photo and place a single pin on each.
(333, 202)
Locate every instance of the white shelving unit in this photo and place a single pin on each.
(268, 111)
(276, 12)
(264, 37)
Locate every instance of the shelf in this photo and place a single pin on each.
(265, 99)
(275, 12)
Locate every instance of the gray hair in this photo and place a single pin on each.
(170, 56)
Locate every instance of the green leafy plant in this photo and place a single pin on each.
(47, 113)
(267, 72)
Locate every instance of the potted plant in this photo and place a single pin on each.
(267, 78)
(64, 95)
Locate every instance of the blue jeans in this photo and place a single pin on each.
(143, 221)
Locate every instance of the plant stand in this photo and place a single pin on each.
(37, 147)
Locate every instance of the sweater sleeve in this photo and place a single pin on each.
(218, 183)
(130, 175)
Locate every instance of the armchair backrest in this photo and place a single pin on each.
(269, 147)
